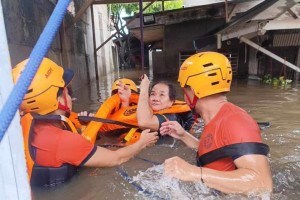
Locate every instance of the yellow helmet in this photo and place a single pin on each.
(41, 96)
(207, 73)
(125, 81)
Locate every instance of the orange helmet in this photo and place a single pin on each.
(125, 81)
(207, 73)
(41, 96)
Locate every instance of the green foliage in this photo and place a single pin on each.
(280, 81)
(267, 79)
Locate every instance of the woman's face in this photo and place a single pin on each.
(159, 97)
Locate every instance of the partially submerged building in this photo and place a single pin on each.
(171, 36)
(227, 27)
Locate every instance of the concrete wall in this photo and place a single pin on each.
(104, 55)
(24, 21)
(72, 47)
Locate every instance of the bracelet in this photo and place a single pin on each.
(201, 175)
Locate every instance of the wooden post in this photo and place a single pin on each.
(94, 44)
(142, 33)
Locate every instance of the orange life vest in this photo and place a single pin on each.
(125, 115)
(111, 109)
(111, 105)
(128, 115)
(27, 122)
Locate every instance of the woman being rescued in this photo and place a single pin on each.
(123, 106)
(160, 105)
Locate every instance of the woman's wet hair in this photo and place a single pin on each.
(172, 90)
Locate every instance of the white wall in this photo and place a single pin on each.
(13, 176)
(102, 32)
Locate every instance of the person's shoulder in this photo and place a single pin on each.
(240, 126)
(239, 120)
(70, 137)
(42, 126)
(234, 113)
(233, 108)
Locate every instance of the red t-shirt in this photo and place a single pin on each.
(231, 125)
(55, 146)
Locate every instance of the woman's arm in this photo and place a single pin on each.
(145, 116)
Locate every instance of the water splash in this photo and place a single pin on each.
(154, 181)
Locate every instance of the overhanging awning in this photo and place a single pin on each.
(151, 33)
(269, 15)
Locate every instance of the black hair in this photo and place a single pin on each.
(172, 90)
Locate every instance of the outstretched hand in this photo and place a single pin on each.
(145, 83)
(172, 128)
(148, 138)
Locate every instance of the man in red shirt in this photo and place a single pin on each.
(52, 145)
(231, 156)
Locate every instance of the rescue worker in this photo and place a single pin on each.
(231, 157)
(53, 148)
(125, 88)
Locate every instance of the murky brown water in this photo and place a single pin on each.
(141, 177)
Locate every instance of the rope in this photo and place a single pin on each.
(103, 120)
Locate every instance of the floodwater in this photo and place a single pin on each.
(142, 177)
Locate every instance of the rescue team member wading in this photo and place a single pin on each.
(52, 146)
(231, 156)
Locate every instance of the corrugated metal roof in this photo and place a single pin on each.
(286, 38)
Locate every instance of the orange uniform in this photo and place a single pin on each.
(231, 125)
(55, 147)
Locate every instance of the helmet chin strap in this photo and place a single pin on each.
(64, 107)
(192, 105)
